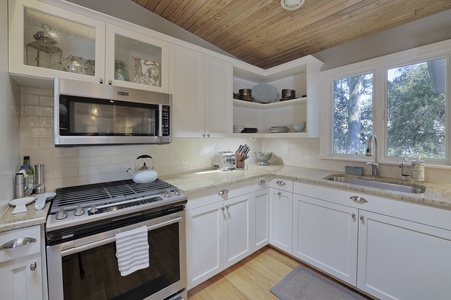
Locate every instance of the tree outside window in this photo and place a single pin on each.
(416, 110)
(352, 114)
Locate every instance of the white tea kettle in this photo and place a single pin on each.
(143, 174)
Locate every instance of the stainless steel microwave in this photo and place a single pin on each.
(98, 114)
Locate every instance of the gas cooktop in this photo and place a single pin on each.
(83, 204)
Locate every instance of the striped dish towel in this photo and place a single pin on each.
(132, 250)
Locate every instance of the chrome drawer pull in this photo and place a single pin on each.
(281, 182)
(17, 243)
(359, 200)
(223, 192)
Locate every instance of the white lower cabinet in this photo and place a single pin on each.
(205, 251)
(325, 236)
(400, 259)
(218, 235)
(261, 219)
(21, 266)
(281, 215)
(387, 248)
(237, 233)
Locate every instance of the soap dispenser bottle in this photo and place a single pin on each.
(417, 170)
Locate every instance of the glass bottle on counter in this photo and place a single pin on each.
(30, 180)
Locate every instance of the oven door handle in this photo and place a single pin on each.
(102, 242)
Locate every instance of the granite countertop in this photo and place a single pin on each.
(437, 195)
(32, 217)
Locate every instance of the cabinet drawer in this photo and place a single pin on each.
(32, 243)
(282, 184)
(220, 193)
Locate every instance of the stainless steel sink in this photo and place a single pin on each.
(398, 187)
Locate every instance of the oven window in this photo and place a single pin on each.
(94, 273)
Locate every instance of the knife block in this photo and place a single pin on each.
(240, 160)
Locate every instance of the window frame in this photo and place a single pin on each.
(379, 67)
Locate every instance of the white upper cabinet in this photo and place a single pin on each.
(136, 60)
(48, 42)
(202, 88)
(301, 75)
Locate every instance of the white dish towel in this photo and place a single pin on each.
(132, 250)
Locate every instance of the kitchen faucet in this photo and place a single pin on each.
(369, 152)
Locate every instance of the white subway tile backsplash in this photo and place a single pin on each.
(99, 160)
(111, 169)
(28, 90)
(89, 151)
(36, 132)
(77, 162)
(29, 100)
(84, 165)
(46, 101)
(38, 111)
(89, 170)
(29, 121)
(46, 122)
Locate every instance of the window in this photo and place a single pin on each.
(352, 113)
(416, 110)
(402, 98)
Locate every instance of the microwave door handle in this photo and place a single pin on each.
(113, 238)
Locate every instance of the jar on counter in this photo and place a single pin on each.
(417, 170)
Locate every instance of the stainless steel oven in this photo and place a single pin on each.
(81, 250)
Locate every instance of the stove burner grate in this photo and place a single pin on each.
(105, 193)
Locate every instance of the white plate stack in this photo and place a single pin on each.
(279, 129)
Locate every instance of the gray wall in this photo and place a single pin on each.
(9, 118)
(421, 32)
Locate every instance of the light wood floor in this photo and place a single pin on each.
(249, 279)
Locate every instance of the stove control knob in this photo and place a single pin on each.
(168, 194)
(79, 211)
(61, 214)
(177, 192)
(93, 209)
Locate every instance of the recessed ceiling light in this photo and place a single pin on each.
(291, 4)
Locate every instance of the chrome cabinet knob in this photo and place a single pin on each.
(33, 266)
(261, 182)
(227, 206)
(101, 80)
(222, 208)
(279, 194)
(362, 218)
(110, 82)
(353, 216)
(281, 182)
(208, 135)
(223, 192)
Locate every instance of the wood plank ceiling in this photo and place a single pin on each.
(262, 33)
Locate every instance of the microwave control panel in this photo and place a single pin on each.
(165, 120)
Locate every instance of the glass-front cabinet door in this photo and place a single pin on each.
(134, 59)
(48, 42)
